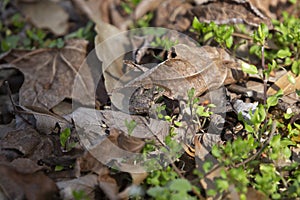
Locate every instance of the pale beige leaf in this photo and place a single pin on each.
(146, 6)
(284, 84)
(267, 6)
(110, 47)
(109, 43)
(46, 14)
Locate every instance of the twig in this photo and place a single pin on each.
(10, 96)
(240, 35)
(15, 110)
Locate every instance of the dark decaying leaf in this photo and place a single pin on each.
(27, 143)
(202, 68)
(26, 166)
(21, 141)
(50, 74)
(18, 185)
(230, 11)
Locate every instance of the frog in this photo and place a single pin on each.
(142, 99)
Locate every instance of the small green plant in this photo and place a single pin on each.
(80, 195)
(166, 184)
(221, 34)
(268, 180)
(288, 38)
(130, 126)
(165, 43)
(176, 189)
(200, 114)
(86, 33)
(241, 160)
(12, 34)
(129, 5)
(259, 157)
(64, 138)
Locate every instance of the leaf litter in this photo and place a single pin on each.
(31, 153)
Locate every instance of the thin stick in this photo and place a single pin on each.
(10, 96)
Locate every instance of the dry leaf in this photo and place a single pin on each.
(267, 5)
(46, 14)
(202, 154)
(22, 141)
(230, 11)
(109, 186)
(96, 122)
(88, 163)
(27, 143)
(26, 166)
(109, 43)
(284, 84)
(255, 194)
(63, 108)
(17, 185)
(126, 142)
(245, 108)
(92, 126)
(202, 68)
(50, 74)
(146, 6)
(110, 48)
(85, 183)
(45, 121)
(173, 14)
(94, 8)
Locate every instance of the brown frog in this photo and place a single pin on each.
(142, 99)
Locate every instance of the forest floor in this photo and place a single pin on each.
(149, 99)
